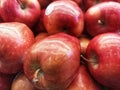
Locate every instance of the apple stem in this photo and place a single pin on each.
(84, 58)
(21, 4)
(35, 79)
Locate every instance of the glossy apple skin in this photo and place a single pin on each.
(6, 81)
(84, 81)
(15, 39)
(52, 63)
(20, 82)
(89, 3)
(102, 18)
(103, 53)
(60, 17)
(41, 36)
(25, 11)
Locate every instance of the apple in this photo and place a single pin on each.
(21, 82)
(6, 81)
(103, 17)
(39, 26)
(52, 63)
(64, 16)
(15, 39)
(103, 55)
(41, 36)
(25, 11)
(44, 3)
(84, 81)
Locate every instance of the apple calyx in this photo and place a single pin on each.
(101, 22)
(22, 4)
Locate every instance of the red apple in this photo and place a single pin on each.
(21, 82)
(6, 81)
(41, 36)
(25, 11)
(44, 3)
(64, 16)
(84, 81)
(103, 55)
(15, 39)
(52, 63)
(103, 17)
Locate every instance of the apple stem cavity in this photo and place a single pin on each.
(22, 5)
(93, 60)
(84, 58)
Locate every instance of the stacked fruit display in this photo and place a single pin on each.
(59, 44)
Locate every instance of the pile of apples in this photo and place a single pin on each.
(59, 44)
